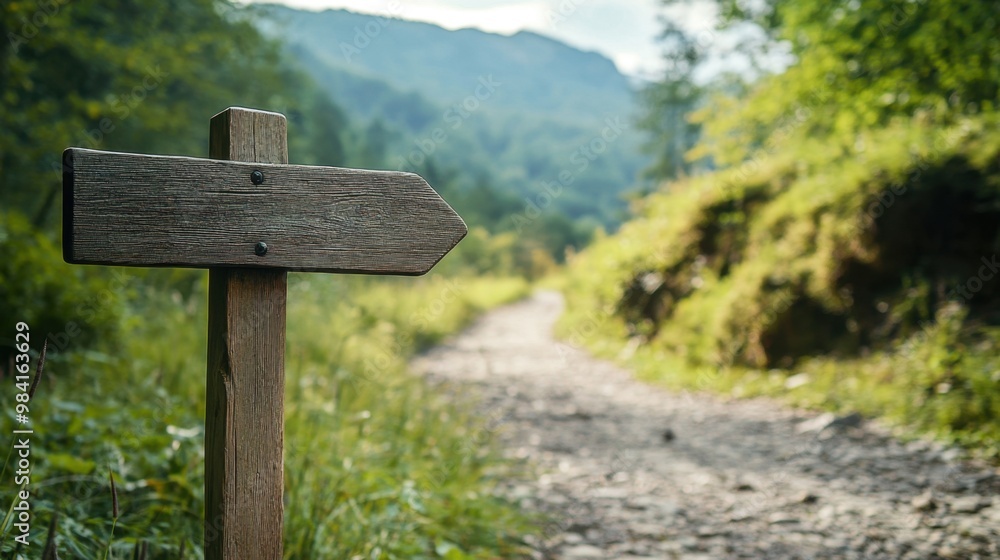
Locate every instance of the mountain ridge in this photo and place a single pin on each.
(513, 109)
(534, 64)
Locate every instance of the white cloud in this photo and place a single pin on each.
(623, 30)
(506, 19)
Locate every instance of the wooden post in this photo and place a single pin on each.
(244, 421)
(249, 220)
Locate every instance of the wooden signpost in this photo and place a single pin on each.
(248, 217)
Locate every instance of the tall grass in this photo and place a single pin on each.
(377, 465)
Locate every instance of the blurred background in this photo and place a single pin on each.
(779, 197)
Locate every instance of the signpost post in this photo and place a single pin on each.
(248, 217)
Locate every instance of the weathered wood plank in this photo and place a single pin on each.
(140, 210)
(244, 423)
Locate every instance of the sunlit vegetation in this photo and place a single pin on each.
(377, 465)
(848, 236)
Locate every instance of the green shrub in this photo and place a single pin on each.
(75, 307)
(821, 262)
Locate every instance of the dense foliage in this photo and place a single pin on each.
(851, 232)
(141, 77)
(376, 465)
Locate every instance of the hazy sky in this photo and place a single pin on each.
(624, 30)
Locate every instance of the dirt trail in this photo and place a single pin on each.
(632, 471)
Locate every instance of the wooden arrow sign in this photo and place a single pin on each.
(248, 217)
(140, 210)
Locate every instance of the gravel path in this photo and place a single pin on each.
(628, 470)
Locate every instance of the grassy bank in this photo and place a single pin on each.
(376, 465)
(844, 280)
(940, 383)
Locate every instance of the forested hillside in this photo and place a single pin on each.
(542, 76)
(844, 251)
(117, 462)
(523, 114)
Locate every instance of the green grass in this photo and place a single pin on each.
(377, 465)
(941, 382)
(736, 280)
(395, 469)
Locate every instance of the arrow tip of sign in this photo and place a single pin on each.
(453, 230)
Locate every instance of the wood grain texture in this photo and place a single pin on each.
(139, 210)
(244, 423)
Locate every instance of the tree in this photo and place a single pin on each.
(669, 102)
(132, 75)
(859, 65)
